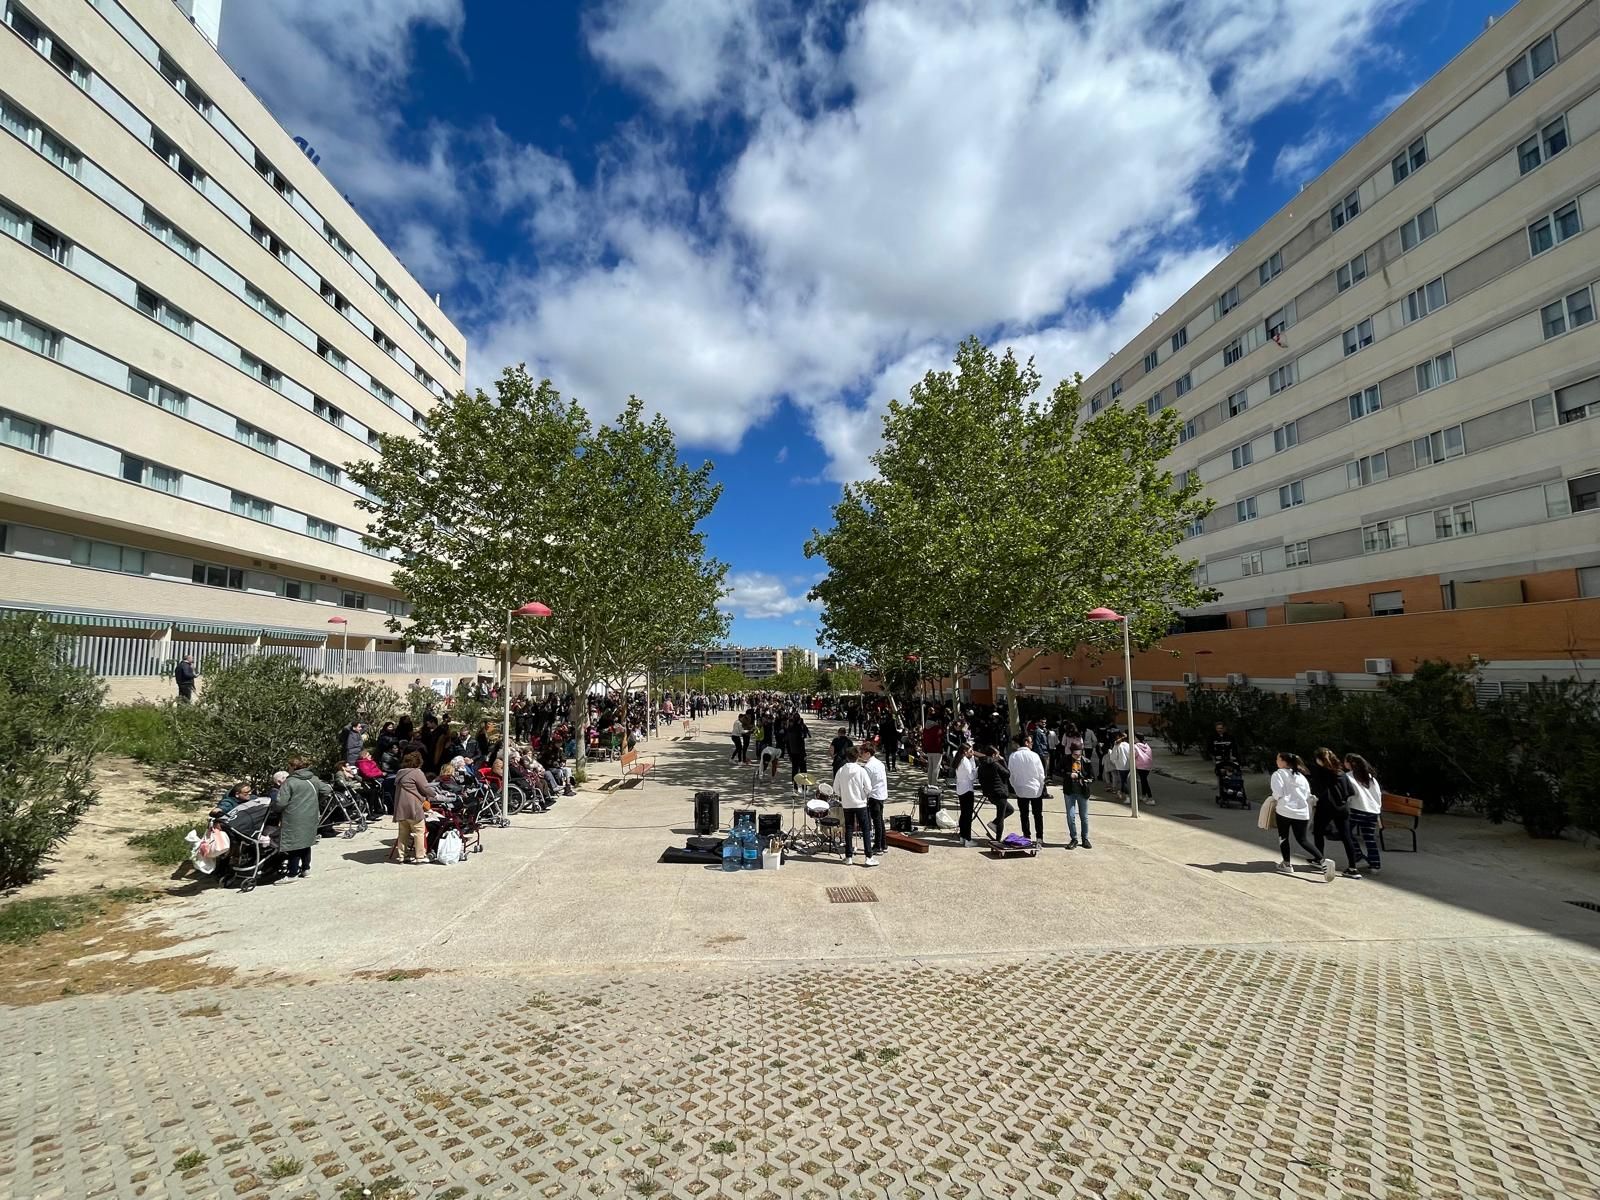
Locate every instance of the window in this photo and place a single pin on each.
(1275, 325)
(1255, 618)
(28, 334)
(214, 576)
(268, 239)
(104, 556)
(148, 474)
(152, 305)
(158, 394)
(1270, 270)
(47, 44)
(1153, 405)
(327, 412)
(1358, 337)
(1245, 509)
(323, 469)
(32, 232)
(382, 393)
(244, 505)
(1285, 436)
(1238, 402)
(328, 354)
(1280, 379)
(1250, 564)
(1365, 402)
(1194, 528)
(176, 159)
(1455, 521)
(396, 607)
(260, 371)
(1151, 358)
(322, 530)
(1415, 155)
(1544, 412)
(385, 343)
(1116, 388)
(256, 439)
(332, 296)
(1567, 314)
(1439, 445)
(389, 294)
(1242, 455)
(1419, 229)
(1346, 210)
(1424, 300)
(1435, 371)
(352, 599)
(184, 85)
(1554, 229)
(1385, 535)
(164, 231)
(1373, 468)
(1292, 495)
(1531, 63)
(264, 305)
(295, 589)
(1232, 352)
(1353, 272)
(1542, 146)
(334, 240)
(24, 434)
(1386, 604)
(1584, 493)
(1187, 432)
(1297, 554)
(1183, 385)
(374, 439)
(1179, 339)
(1228, 301)
(273, 176)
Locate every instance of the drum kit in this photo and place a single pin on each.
(816, 819)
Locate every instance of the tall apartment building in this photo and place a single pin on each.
(754, 662)
(1392, 392)
(196, 334)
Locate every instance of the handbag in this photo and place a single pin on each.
(1265, 819)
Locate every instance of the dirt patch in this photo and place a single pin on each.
(123, 948)
(396, 976)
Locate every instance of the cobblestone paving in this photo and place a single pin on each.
(1402, 1071)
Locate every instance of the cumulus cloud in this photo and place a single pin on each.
(757, 595)
(1300, 162)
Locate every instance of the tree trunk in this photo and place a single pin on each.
(578, 715)
(1012, 713)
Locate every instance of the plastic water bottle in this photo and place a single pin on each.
(731, 852)
(751, 849)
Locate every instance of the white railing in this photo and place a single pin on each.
(395, 662)
(115, 656)
(110, 656)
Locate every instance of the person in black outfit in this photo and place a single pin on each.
(844, 750)
(889, 742)
(184, 674)
(1331, 792)
(993, 781)
(795, 734)
(1222, 750)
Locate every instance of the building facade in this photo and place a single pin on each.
(1392, 393)
(754, 662)
(197, 334)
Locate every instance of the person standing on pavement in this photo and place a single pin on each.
(1075, 782)
(966, 785)
(1291, 802)
(184, 674)
(796, 734)
(1366, 804)
(1144, 758)
(1331, 792)
(412, 792)
(889, 741)
(853, 786)
(1026, 769)
(1091, 751)
(993, 780)
(876, 799)
(299, 800)
(1119, 761)
(933, 745)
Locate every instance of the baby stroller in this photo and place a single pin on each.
(1230, 785)
(344, 805)
(252, 849)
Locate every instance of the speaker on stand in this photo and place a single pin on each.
(707, 813)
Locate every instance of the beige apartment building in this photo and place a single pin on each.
(1392, 392)
(197, 333)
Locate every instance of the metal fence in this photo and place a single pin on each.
(110, 656)
(117, 656)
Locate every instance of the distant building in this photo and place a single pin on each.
(754, 662)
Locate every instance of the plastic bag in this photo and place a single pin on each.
(944, 819)
(450, 848)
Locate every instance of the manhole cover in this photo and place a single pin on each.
(1589, 904)
(852, 895)
(1192, 817)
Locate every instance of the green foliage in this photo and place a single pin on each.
(721, 678)
(26, 920)
(165, 847)
(468, 710)
(1545, 766)
(49, 736)
(797, 678)
(845, 680)
(1020, 520)
(419, 699)
(149, 733)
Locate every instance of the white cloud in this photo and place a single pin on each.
(1394, 100)
(1300, 162)
(782, 455)
(757, 595)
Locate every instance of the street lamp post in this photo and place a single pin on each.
(1106, 614)
(531, 609)
(344, 642)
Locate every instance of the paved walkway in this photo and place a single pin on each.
(1155, 1018)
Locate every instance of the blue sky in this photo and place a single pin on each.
(768, 217)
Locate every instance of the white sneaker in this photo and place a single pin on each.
(1285, 869)
(966, 843)
(1327, 869)
(872, 862)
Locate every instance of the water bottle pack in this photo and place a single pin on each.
(742, 850)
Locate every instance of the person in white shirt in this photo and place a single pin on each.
(1091, 751)
(1291, 802)
(1118, 760)
(1366, 803)
(966, 789)
(1027, 781)
(877, 799)
(853, 785)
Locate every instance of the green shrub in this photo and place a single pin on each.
(49, 734)
(167, 846)
(150, 733)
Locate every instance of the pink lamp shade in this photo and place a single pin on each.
(533, 609)
(1103, 614)
(338, 621)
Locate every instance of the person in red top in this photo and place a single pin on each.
(933, 745)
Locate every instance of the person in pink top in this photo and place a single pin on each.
(1143, 759)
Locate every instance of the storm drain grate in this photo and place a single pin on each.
(1192, 817)
(852, 895)
(1589, 904)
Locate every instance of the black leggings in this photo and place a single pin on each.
(1037, 804)
(1296, 826)
(1336, 820)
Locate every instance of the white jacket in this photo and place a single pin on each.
(966, 775)
(852, 785)
(1027, 773)
(1367, 799)
(1118, 757)
(1291, 794)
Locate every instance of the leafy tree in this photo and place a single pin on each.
(797, 678)
(49, 731)
(1541, 759)
(845, 680)
(519, 497)
(995, 523)
(720, 678)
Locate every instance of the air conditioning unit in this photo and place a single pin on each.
(1380, 666)
(1111, 681)
(1066, 681)
(1190, 679)
(1237, 680)
(1319, 677)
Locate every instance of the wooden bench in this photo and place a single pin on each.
(1399, 808)
(635, 767)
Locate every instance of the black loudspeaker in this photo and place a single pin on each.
(739, 814)
(900, 823)
(707, 812)
(929, 801)
(769, 825)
